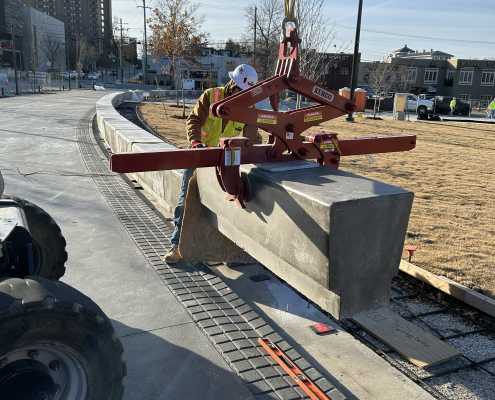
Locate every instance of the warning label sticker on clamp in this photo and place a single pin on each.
(324, 94)
(233, 157)
(313, 116)
(267, 119)
(327, 146)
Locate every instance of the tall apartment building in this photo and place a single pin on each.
(11, 15)
(86, 21)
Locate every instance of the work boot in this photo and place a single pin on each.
(173, 256)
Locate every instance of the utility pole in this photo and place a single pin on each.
(255, 34)
(121, 57)
(355, 61)
(145, 50)
(34, 57)
(14, 55)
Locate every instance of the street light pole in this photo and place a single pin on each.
(355, 61)
(14, 55)
(255, 34)
(145, 50)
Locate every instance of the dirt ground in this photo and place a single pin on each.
(451, 172)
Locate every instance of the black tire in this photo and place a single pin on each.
(50, 254)
(53, 337)
(422, 113)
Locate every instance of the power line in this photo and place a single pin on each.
(408, 36)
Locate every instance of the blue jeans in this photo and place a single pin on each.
(179, 210)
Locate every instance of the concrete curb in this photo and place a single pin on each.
(123, 136)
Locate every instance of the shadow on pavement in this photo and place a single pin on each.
(168, 364)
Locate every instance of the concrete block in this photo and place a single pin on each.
(334, 236)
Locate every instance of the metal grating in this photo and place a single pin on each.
(229, 323)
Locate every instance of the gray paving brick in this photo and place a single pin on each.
(289, 394)
(242, 366)
(260, 387)
(227, 347)
(335, 394)
(243, 344)
(206, 323)
(250, 376)
(235, 356)
(324, 384)
(230, 328)
(214, 330)
(268, 372)
(237, 335)
(260, 362)
(279, 382)
(220, 339)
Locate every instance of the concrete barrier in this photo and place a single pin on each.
(334, 236)
(122, 136)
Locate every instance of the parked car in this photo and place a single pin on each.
(419, 105)
(94, 76)
(442, 106)
(70, 74)
(4, 78)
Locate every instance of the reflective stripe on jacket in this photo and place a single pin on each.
(213, 129)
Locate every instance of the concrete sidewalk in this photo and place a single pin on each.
(168, 357)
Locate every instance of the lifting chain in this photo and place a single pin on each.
(290, 7)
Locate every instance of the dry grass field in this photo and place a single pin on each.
(451, 172)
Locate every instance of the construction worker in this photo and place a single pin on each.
(453, 105)
(491, 109)
(205, 130)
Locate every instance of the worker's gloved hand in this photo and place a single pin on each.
(195, 144)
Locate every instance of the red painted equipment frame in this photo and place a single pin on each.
(287, 139)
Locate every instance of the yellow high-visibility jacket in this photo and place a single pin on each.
(203, 127)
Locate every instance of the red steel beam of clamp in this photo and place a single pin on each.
(307, 385)
(255, 154)
(214, 156)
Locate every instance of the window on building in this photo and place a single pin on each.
(485, 99)
(463, 97)
(412, 74)
(431, 76)
(466, 77)
(450, 75)
(488, 78)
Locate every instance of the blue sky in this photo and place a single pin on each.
(453, 26)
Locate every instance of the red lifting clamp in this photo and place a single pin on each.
(287, 139)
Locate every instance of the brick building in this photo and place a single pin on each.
(438, 73)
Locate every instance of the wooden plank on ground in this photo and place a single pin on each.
(454, 289)
(416, 345)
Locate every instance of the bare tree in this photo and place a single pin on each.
(317, 35)
(176, 32)
(86, 54)
(385, 78)
(269, 19)
(52, 48)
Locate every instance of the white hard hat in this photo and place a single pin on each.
(244, 76)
